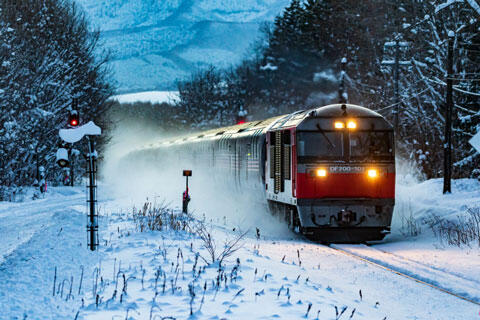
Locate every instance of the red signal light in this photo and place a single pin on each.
(73, 118)
(241, 122)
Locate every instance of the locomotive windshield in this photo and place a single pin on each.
(325, 144)
(375, 145)
(363, 145)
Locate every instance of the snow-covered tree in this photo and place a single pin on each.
(49, 59)
(423, 86)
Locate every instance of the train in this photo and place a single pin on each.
(327, 172)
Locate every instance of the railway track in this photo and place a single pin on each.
(436, 280)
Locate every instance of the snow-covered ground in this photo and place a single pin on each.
(148, 96)
(153, 275)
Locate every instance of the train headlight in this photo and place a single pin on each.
(351, 124)
(372, 173)
(339, 125)
(322, 172)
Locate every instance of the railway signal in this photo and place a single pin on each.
(186, 196)
(71, 136)
(73, 119)
(62, 158)
(241, 116)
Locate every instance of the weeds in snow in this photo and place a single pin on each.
(464, 231)
(214, 253)
(410, 226)
(153, 217)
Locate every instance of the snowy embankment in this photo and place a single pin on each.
(412, 236)
(155, 274)
(39, 236)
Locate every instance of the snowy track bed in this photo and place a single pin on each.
(454, 284)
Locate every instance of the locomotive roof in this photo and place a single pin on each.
(335, 110)
(274, 123)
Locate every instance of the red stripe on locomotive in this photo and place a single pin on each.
(345, 185)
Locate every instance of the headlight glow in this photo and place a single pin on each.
(372, 173)
(351, 124)
(322, 172)
(339, 125)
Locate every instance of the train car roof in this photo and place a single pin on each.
(274, 123)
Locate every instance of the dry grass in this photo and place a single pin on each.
(410, 226)
(158, 217)
(464, 231)
(217, 252)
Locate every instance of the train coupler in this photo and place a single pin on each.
(346, 217)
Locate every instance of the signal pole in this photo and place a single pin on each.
(92, 226)
(71, 166)
(186, 196)
(447, 162)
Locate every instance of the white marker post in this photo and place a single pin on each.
(74, 135)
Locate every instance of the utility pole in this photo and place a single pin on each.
(447, 162)
(395, 83)
(395, 64)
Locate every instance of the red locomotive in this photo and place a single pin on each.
(329, 172)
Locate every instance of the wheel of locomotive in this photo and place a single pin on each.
(296, 227)
(290, 215)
